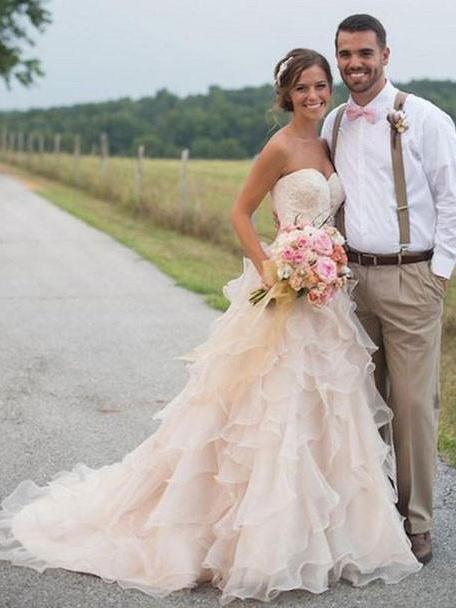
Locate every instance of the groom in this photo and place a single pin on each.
(402, 254)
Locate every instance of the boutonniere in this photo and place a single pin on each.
(397, 120)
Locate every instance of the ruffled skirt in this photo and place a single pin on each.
(267, 473)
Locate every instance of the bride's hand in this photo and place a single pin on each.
(269, 273)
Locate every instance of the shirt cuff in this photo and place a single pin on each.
(442, 265)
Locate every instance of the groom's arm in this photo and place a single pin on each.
(439, 163)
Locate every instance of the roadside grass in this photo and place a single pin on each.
(204, 267)
(447, 427)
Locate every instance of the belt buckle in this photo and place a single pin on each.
(373, 256)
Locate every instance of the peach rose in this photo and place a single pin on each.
(339, 255)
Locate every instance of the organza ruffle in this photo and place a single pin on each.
(267, 472)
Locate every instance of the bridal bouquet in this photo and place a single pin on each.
(306, 260)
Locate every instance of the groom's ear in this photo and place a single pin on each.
(386, 55)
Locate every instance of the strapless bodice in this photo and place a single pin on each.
(306, 194)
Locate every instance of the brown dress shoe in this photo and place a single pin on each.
(422, 546)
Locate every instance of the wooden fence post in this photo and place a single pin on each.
(57, 144)
(20, 142)
(104, 153)
(19, 148)
(183, 185)
(41, 146)
(30, 142)
(11, 138)
(139, 175)
(76, 158)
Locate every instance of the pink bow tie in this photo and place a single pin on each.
(353, 112)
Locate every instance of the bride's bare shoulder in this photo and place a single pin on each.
(278, 146)
(280, 138)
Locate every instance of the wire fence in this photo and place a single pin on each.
(188, 195)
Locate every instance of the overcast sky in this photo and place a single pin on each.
(106, 49)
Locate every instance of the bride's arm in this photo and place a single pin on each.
(268, 167)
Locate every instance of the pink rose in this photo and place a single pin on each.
(322, 243)
(288, 254)
(326, 269)
(303, 242)
(298, 256)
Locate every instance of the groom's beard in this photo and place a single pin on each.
(371, 79)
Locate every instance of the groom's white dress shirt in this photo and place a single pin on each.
(363, 162)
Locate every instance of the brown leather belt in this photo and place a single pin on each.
(394, 259)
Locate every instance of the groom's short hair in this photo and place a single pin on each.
(363, 23)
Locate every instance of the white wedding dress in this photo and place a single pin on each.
(267, 472)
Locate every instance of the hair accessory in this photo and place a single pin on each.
(283, 66)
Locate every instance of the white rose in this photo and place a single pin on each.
(284, 271)
(338, 238)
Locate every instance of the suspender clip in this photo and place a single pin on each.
(403, 249)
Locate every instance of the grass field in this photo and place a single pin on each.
(205, 266)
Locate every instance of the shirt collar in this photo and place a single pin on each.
(384, 100)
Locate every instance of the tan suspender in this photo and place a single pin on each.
(399, 178)
(398, 174)
(336, 128)
(340, 215)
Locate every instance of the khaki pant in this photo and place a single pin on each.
(401, 309)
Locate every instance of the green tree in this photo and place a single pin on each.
(220, 124)
(17, 17)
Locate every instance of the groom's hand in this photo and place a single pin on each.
(444, 281)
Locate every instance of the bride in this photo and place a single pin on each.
(268, 471)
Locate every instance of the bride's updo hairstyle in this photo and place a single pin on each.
(288, 71)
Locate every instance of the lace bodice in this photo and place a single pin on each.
(306, 194)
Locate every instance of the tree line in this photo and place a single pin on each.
(225, 124)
